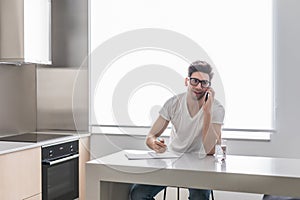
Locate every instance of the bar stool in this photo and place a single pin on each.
(178, 193)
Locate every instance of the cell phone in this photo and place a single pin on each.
(206, 96)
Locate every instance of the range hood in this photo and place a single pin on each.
(25, 31)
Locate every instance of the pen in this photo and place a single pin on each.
(159, 139)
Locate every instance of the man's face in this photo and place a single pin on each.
(198, 91)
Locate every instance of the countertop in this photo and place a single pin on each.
(9, 147)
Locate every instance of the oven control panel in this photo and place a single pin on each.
(56, 151)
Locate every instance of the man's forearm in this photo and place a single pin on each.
(211, 134)
(156, 130)
(205, 126)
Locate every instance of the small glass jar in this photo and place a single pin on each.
(220, 151)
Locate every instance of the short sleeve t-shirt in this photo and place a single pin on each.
(186, 131)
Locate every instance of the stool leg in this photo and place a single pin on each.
(178, 193)
(165, 193)
(212, 195)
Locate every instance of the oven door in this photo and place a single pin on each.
(60, 178)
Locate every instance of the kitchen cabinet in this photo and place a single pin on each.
(84, 156)
(25, 31)
(35, 197)
(20, 175)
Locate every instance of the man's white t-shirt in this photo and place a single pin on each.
(186, 131)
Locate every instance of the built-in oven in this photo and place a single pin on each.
(60, 171)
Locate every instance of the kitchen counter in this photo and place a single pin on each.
(9, 147)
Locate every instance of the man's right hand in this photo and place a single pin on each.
(157, 144)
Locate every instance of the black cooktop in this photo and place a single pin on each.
(31, 137)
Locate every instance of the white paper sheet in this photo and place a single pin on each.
(139, 155)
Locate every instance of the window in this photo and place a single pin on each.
(140, 51)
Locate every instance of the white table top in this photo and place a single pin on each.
(278, 176)
(250, 165)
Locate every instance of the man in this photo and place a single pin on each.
(196, 118)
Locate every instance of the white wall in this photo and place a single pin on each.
(287, 79)
(287, 94)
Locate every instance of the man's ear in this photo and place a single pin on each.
(186, 81)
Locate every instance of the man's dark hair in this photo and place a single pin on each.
(201, 66)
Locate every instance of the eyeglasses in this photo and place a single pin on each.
(195, 82)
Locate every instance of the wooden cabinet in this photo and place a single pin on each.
(35, 197)
(84, 156)
(20, 175)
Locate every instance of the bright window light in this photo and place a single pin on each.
(130, 84)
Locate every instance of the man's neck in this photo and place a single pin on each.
(193, 105)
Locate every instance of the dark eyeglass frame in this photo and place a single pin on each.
(204, 83)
